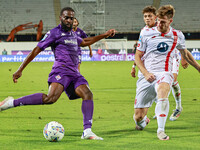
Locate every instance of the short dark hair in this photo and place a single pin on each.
(66, 9)
(149, 9)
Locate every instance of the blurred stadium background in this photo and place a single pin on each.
(95, 17)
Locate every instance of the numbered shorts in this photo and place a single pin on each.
(146, 92)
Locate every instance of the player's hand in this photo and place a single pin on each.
(16, 76)
(110, 33)
(184, 63)
(133, 72)
(149, 77)
(91, 54)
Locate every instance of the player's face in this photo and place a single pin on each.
(75, 24)
(163, 24)
(67, 19)
(149, 19)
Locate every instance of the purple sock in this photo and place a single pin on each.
(87, 110)
(34, 99)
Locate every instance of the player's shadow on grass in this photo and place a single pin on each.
(116, 133)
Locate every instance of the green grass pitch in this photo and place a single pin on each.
(114, 91)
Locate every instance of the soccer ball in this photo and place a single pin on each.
(53, 131)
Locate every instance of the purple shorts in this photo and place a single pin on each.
(70, 83)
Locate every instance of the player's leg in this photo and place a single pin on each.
(176, 91)
(145, 94)
(85, 93)
(140, 118)
(55, 90)
(162, 109)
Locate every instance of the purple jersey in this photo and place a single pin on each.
(80, 33)
(65, 48)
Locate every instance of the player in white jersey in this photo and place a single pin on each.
(149, 16)
(157, 45)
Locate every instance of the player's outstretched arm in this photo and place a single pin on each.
(184, 63)
(133, 71)
(91, 40)
(28, 59)
(90, 51)
(148, 76)
(190, 59)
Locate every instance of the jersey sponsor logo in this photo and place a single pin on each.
(162, 47)
(70, 41)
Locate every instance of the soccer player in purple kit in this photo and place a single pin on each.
(64, 75)
(83, 35)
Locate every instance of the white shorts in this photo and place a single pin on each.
(176, 63)
(146, 92)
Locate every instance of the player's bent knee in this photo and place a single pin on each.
(88, 95)
(50, 99)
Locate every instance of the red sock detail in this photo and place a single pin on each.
(162, 115)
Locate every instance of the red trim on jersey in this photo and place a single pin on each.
(169, 53)
(162, 34)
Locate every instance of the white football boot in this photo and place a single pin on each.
(175, 115)
(88, 134)
(7, 103)
(162, 136)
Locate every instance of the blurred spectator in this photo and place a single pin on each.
(134, 47)
(99, 51)
(4, 52)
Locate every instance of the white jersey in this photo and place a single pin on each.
(159, 48)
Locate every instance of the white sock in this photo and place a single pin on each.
(161, 111)
(176, 91)
(142, 123)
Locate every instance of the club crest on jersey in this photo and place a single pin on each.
(162, 47)
(58, 77)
